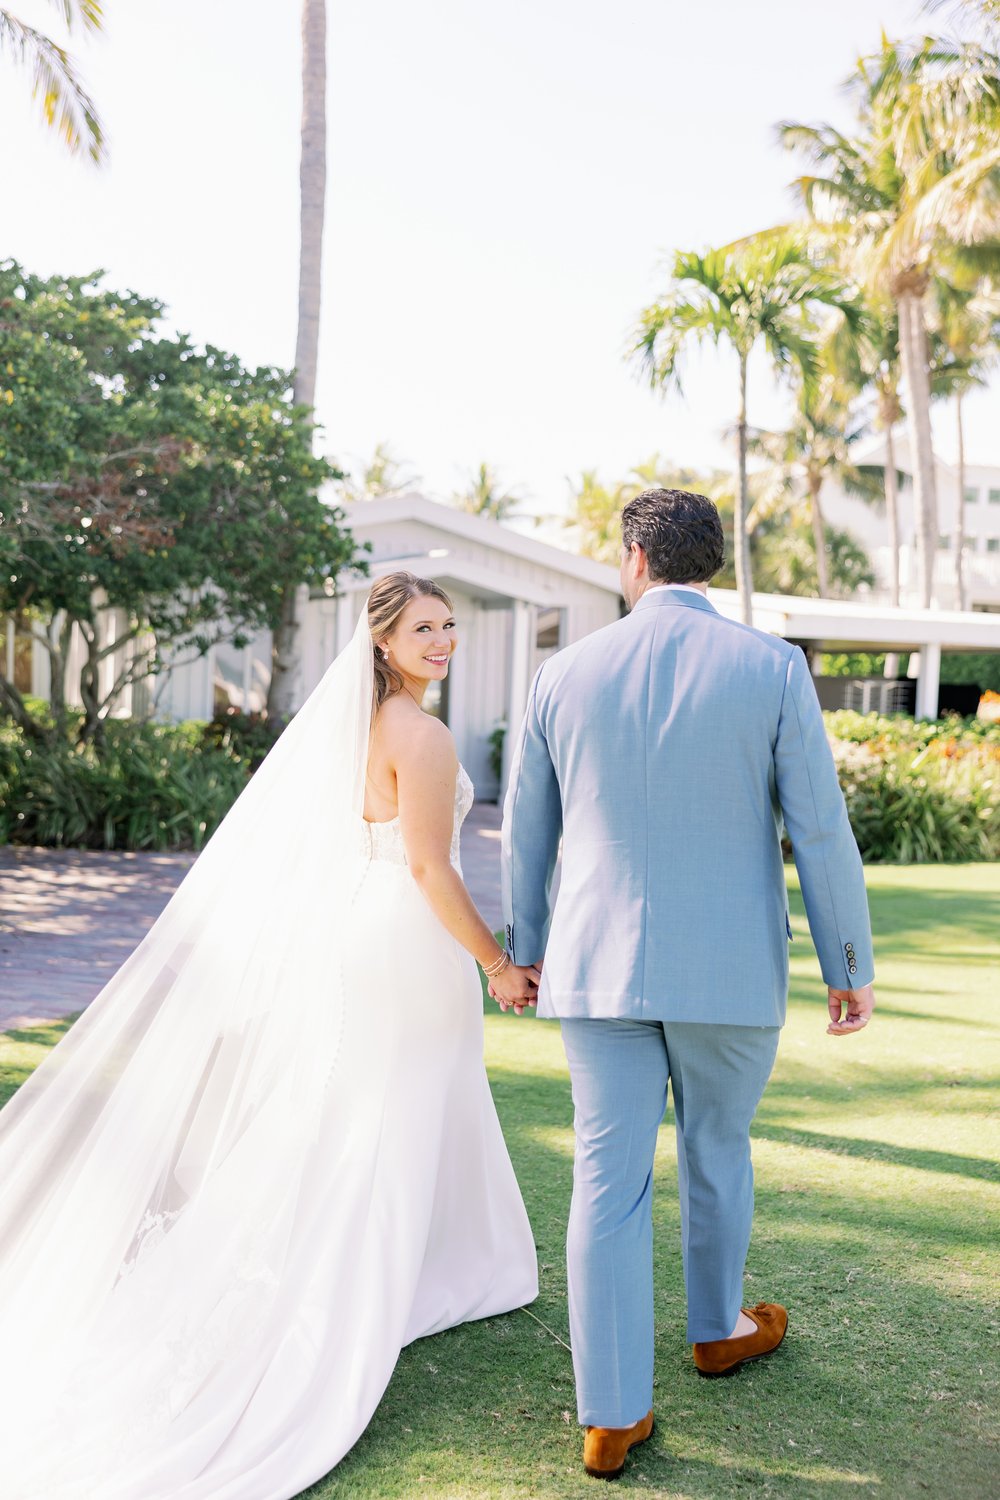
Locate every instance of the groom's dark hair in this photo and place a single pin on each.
(680, 533)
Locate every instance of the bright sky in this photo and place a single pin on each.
(504, 182)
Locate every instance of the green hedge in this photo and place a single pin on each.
(915, 791)
(152, 787)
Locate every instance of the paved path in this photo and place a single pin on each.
(70, 917)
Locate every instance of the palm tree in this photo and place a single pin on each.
(383, 476)
(917, 181)
(66, 105)
(883, 374)
(596, 515)
(312, 207)
(816, 446)
(484, 495)
(965, 329)
(765, 288)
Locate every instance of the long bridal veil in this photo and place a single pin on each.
(150, 1168)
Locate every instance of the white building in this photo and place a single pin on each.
(516, 601)
(981, 518)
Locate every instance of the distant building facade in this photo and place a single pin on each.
(980, 506)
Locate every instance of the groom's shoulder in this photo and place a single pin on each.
(723, 638)
(755, 640)
(555, 667)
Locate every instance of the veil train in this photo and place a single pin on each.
(152, 1167)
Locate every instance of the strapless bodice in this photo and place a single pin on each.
(385, 840)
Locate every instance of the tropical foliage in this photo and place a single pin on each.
(767, 289)
(151, 787)
(900, 237)
(780, 537)
(382, 475)
(66, 106)
(143, 475)
(916, 791)
(484, 494)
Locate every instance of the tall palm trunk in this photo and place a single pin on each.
(914, 359)
(819, 535)
(963, 602)
(891, 668)
(312, 203)
(892, 513)
(741, 539)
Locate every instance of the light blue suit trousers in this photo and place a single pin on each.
(619, 1071)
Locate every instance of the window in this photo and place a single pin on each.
(993, 544)
(971, 494)
(995, 497)
(944, 542)
(548, 633)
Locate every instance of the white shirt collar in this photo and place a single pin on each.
(689, 587)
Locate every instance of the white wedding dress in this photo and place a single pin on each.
(269, 1160)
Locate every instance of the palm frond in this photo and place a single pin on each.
(88, 14)
(65, 103)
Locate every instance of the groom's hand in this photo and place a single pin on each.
(516, 988)
(850, 1010)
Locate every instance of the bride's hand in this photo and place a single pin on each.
(516, 987)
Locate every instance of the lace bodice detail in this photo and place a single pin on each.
(385, 840)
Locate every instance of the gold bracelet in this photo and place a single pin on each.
(496, 968)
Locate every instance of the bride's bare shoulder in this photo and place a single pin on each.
(407, 733)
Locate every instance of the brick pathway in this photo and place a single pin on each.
(70, 917)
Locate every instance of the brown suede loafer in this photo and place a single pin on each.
(725, 1356)
(605, 1448)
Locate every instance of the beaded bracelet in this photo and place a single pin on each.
(496, 968)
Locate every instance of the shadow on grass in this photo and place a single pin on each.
(878, 1389)
(880, 1151)
(901, 913)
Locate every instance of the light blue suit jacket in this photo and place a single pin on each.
(665, 750)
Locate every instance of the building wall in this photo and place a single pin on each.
(981, 520)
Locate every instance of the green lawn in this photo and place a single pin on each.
(876, 1219)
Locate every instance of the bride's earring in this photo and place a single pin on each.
(386, 655)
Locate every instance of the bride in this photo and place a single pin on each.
(266, 1157)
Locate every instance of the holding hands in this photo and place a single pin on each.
(514, 986)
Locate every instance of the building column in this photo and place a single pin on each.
(522, 622)
(928, 682)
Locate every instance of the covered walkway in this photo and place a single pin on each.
(843, 625)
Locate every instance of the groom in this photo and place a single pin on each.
(666, 750)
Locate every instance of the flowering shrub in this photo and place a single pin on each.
(919, 791)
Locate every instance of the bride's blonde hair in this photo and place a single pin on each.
(386, 603)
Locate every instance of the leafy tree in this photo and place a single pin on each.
(66, 105)
(484, 495)
(140, 473)
(762, 289)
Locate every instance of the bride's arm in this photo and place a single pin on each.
(426, 769)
